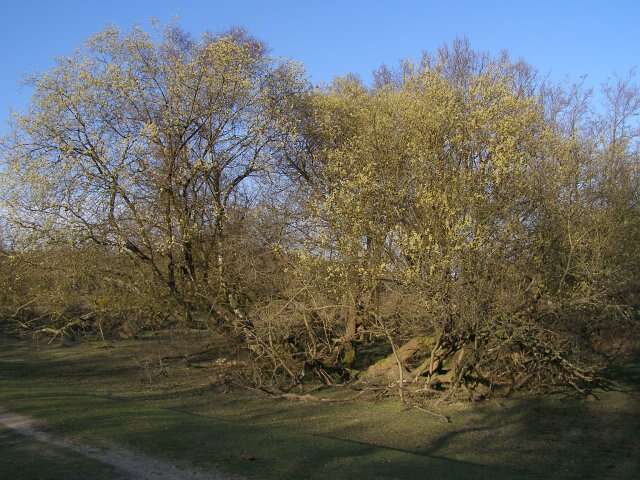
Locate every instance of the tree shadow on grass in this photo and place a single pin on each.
(257, 450)
(525, 438)
(27, 459)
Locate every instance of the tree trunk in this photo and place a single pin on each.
(387, 368)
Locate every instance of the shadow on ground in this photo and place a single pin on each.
(24, 458)
(521, 438)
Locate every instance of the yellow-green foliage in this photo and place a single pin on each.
(456, 200)
(420, 179)
(146, 148)
(461, 210)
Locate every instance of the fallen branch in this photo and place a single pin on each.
(442, 417)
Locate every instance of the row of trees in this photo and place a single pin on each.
(458, 226)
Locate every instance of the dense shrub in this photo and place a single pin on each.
(459, 226)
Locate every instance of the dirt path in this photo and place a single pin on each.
(132, 465)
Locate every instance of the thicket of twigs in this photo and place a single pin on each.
(459, 228)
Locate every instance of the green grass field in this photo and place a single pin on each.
(102, 396)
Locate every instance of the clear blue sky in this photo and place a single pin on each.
(564, 38)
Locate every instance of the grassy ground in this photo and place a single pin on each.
(22, 457)
(125, 395)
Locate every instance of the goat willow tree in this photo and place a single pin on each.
(461, 224)
(457, 227)
(147, 147)
(430, 200)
